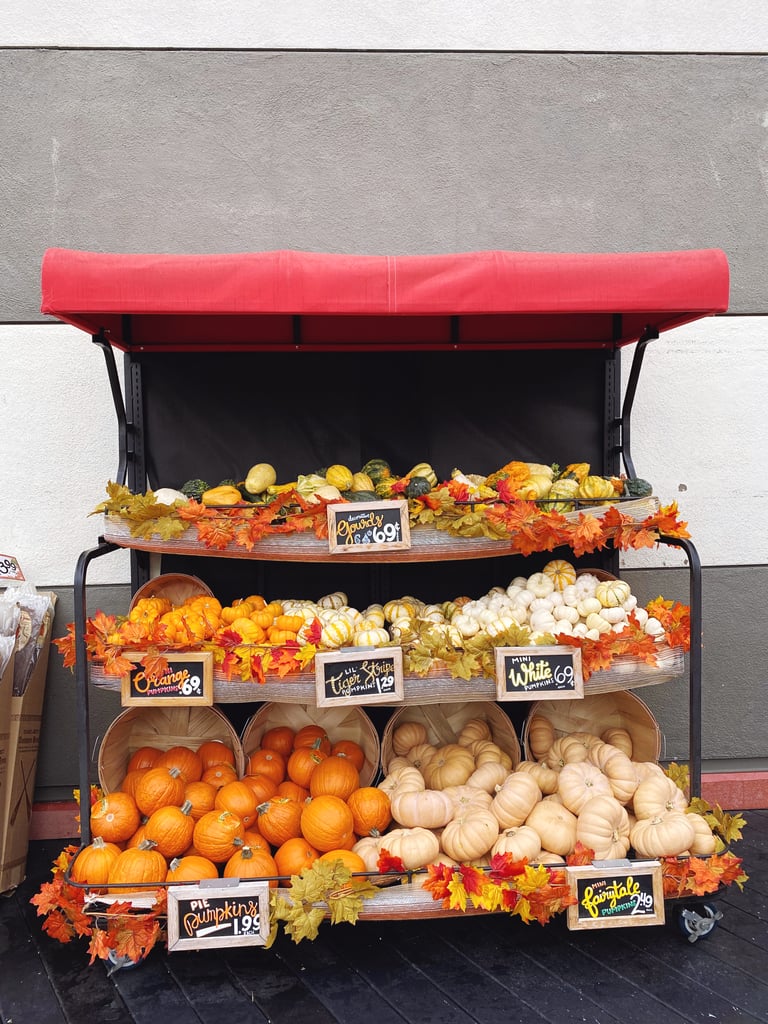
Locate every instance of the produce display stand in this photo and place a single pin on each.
(302, 358)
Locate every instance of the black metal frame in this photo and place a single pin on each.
(132, 471)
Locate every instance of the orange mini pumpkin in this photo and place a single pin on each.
(279, 819)
(312, 736)
(159, 787)
(327, 823)
(294, 855)
(219, 775)
(170, 829)
(115, 817)
(262, 786)
(188, 761)
(94, 862)
(191, 868)
(239, 798)
(202, 796)
(143, 757)
(350, 749)
(279, 738)
(371, 810)
(302, 763)
(266, 762)
(141, 867)
(250, 863)
(217, 835)
(335, 776)
(128, 785)
(213, 752)
(293, 791)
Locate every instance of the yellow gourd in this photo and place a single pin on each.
(596, 487)
(224, 495)
(260, 477)
(340, 477)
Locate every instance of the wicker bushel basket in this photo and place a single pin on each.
(162, 728)
(598, 712)
(175, 586)
(345, 723)
(444, 722)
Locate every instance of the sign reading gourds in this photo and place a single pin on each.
(363, 675)
(201, 916)
(184, 679)
(616, 894)
(361, 527)
(535, 673)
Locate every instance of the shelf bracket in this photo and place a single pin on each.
(124, 432)
(649, 334)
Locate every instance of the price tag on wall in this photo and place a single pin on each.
(201, 916)
(10, 569)
(357, 527)
(538, 673)
(188, 679)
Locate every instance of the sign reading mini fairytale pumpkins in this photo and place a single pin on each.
(359, 675)
(616, 894)
(536, 673)
(368, 526)
(188, 679)
(202, 916)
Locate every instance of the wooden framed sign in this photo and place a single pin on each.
(616, 894)
(359, 675)
(538, 673)
(202, 916)
(189, 680)
(368, 526)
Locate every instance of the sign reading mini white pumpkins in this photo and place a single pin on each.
(203, 916)
(360, 527)
(536, 673)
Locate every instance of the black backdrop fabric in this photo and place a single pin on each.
(214, 415)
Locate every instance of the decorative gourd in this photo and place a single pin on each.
(562, 573)
(664, 835)
(424, 469)
(488, 776)
(327, 823)
(260, 477)
(224, 495)
(361, 482)
(612, 593)
(704, 843)
(474, 729)
(191, 868)
(546, 778)
(94, 862)
(407, 735)
(637, 488)
(140, 867)
(430, 808)
(565, 750)
(416, 847)
(279, 819)
(451, 765)
(579, 782)
(470, 835)
(618, 737)
(340, 476)
(596, 487)
(375, 636)
(336, 633)
(159, 787)
(541, 736)
(115, 817)
(520, 841)
(555, 825)
(334, 776)
(417, 487)
(565, 491)
(217, 835)
(603, 826)
(515, 799)
(171, 829)
(249, 863)
(377, 469)
(655, 795)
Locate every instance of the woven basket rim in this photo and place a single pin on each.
(169, 581)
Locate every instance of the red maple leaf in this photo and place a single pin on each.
(387, 863)
(283, 659)
(472, 879)
(313, 632)
(504, 865)
(581, 854)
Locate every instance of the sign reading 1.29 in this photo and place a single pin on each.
(358, 527)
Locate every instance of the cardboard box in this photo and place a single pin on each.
(16, 797)
(6, 689)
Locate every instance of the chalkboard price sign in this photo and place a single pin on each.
(359, 675)
(537, 673)
(202, 916)
(188, 680)
(616, 894)
(360, 527)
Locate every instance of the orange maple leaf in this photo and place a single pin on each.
(155, 664)
(667, 522)
(587, 535)
(66, 646)
(215, 533)
(115, 664)
(581, 854)
(99, 947)
(284, 660)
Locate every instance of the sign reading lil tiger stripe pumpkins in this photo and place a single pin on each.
(536, 673)
(175, 678)
(359, 675)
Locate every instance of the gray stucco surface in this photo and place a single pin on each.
(151, 151)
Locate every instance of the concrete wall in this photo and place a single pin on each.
(353, 128)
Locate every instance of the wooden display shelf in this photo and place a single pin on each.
(626, 673)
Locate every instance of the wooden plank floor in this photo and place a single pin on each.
(458, 971)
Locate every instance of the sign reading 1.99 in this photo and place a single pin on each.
(361, 527)
(183, 679)
(218, 914)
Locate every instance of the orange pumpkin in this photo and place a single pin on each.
(170, 829)
(312, 736)
(302, 763)
(219, 775)
(327, 823)
(291, 623)
(239, 798)
(293, 856)
(188, 761)
(350, 749)
(348, 858)
(202, 796)
(141, 867)
(262, 786)
(191, 868)
(213, 752)
(128, 785)
(279, 819)
(335, 776)
(115, 817)
(255, 840)
(217, 835)
(263, 617)
(249, 863)
(371, 810)
(159, 787)
(293, 791)
(137, 838)
(94, 862)
(144, 757)
(266, 762)
(279, 738)
(280, 636)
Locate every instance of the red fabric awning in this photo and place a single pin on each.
(288, 299)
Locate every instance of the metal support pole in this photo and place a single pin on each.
(649, 334)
